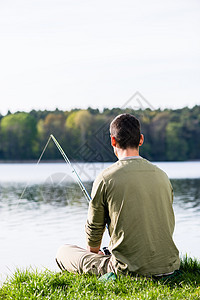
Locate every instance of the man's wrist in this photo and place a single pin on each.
(93, 249)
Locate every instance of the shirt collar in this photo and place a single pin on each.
(130, 157)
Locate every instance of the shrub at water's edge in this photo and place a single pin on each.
(29, 284)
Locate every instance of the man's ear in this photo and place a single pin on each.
(113, 141)
(141, 140)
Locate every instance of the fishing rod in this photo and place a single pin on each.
(83, 189)
(78, 179)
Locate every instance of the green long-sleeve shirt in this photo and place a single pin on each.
(134, 197)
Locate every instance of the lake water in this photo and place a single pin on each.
(52, 210)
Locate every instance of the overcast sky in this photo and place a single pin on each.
(79, 53)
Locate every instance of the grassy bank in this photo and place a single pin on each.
(29, 284)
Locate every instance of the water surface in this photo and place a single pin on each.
(53, 210)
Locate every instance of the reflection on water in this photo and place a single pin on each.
(187, 214)
(187, 193)
(62, 194)
(54, 212)
(33, 227)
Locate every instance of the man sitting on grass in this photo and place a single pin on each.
(134, 198)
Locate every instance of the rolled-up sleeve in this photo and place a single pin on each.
(95, 224)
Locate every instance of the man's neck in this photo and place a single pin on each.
(122, 153)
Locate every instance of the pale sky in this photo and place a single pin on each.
(79, 53)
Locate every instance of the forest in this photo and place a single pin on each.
(170, 135)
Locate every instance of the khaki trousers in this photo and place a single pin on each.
(72, 258)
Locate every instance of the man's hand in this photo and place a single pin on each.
(94, 249)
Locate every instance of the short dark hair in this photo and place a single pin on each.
(125, 128)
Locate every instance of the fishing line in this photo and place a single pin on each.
(43, 150)
(78, 179)
(45, 147)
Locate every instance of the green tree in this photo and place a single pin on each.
(84, 134)
(157, 133)
(54, 123)
(177, 147)
(18, 133)
(80, 121)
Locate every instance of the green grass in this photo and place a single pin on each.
(30, 284)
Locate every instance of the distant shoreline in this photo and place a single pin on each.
(31, 161)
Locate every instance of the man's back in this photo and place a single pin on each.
(135, 199)
(138, 198)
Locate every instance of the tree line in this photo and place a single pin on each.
(170, 135)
